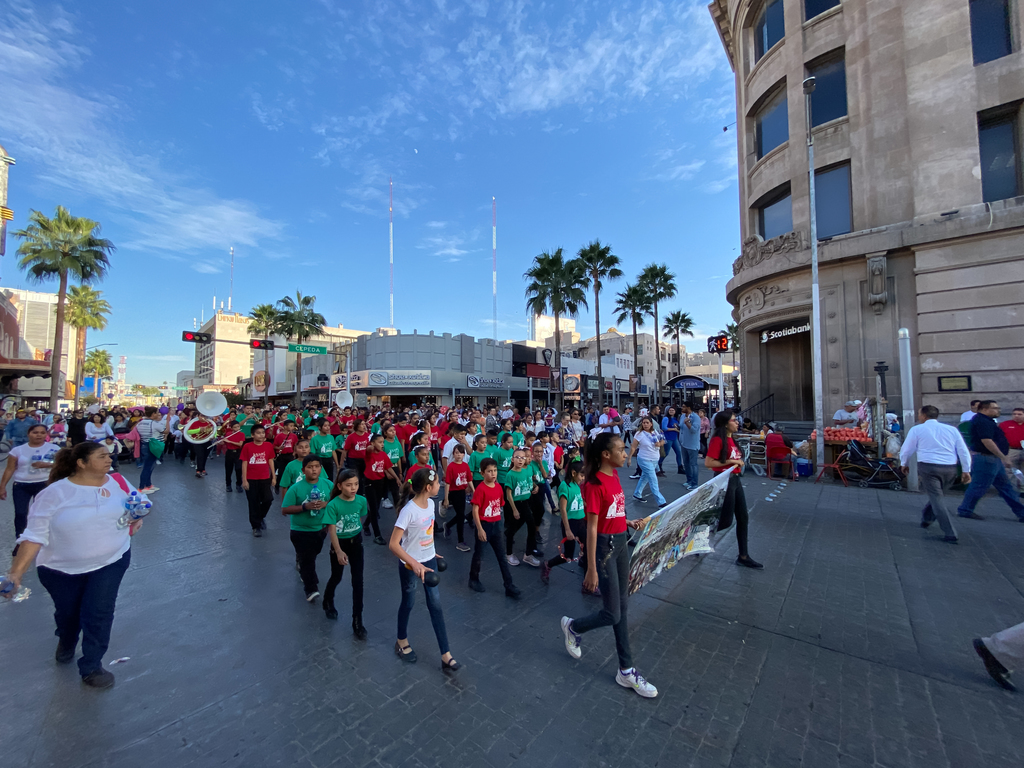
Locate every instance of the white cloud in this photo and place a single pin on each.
(67, 133)
(437, 224)
(678, 171)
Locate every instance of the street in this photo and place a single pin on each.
(851, 648)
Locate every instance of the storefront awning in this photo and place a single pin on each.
(690, 381)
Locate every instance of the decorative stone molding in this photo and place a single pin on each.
(756, 298)
(756, 250)
(878, 292)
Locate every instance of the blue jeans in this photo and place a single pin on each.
(23, 493)
(988, 471)
(409, 582)
(690, 462)
(648, 476)
(84, 603)
(148, 462)
(672, 445)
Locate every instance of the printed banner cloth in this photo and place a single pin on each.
(682, 528)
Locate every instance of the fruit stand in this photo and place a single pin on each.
(836, 439)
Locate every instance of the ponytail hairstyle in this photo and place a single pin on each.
(592, 460)
(721, 427)
(421, 479)
(575, 469)
(65, 461)
(345, 474)
(373, 440)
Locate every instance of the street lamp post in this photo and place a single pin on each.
(819, 409)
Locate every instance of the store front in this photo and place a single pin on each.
(785, 369)
(691, 390)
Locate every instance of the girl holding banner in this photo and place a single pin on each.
(724, 456)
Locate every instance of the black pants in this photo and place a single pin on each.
(327, 467)
(494, 536)
(393, 489)
(261, 498)
(22, 494)
(735, 504)
(84, 603)
(579, 530)
(308, 545)
(359, 465)
(353, 547)
(232, 464)
(458, 501)
(512, 527)
(537, 508)
(181, 450)
(199, 453)
(282, 461)
(376, 491)
(613, 581)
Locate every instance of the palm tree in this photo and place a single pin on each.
(678, 323)
(62, 247)
(264, 321)
(555, 286)
(660, 284)
(599, 263)
(299, 321)
(98, 363)
(633, 304)
(86, 309)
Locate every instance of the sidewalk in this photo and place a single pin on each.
(851, 648)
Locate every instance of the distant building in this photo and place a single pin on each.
(542, 327)
(614, 342)
(222, 363)
(281, 363)
(37, 327)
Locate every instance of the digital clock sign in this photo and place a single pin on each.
(718, 344)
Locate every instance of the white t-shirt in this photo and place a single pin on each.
(967, 415)
(648, 450)
(77, 526)
(843, 417)
(608, 419)
(26, 454)
(418, 524)
(449, 447)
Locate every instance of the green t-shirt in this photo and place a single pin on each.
(539, 471)
(491, 451)
(375, 428)
(322, 446)
(313, 520)
(521, 483)
(247, 422)
(412, 458)
(573, 500)
(518, 439)
(347, 516)
(393, 448)
(504, 459)
(474, 464)
(292, 472)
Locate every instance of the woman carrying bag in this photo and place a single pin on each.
(153, 431)
(724, 456)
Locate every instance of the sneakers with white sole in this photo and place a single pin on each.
(572, 640)
(512, 560)
(387, 504)
(531, 560)
(633, 679)
(312, 596)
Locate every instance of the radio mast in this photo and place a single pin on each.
(391, 241)
(231, 285)
(494, 263)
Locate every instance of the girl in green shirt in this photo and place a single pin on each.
(324, 446)
(574, 523)
(520, 485)
(344, 517)
(393, 448)
(478, 455)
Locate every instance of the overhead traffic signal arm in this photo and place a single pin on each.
(198, 337)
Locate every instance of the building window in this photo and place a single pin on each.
(769, 28)
(771, 125)
(832, 204)
(1000, 169)
(817, 7)
(990, 30)
(828, 102)
(640, 371)
(775, 217)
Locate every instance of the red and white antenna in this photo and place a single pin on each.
(494, 263)
(391, 238)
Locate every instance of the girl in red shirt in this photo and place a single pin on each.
(458, 481)
(378, 471)
(257, 470)
(607, 557)
(724, 456)
(355, 452)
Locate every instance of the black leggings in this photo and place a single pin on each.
(353, 547)
(458, 501)
(376, 492)
(327, 466)
(232, 464)
(512, 527)
(735, 504)
(579, 530)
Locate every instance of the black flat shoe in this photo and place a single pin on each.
(950, 539)
(748, 562)
(330, 611)
(379, 540)
(925, 523)
(451, 665)
(64, 654)
(972, 516)
(99, 679)
(476, 586)
(998, 672)
(358, 629)
(406, 654)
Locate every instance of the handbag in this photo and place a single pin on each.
(156, 447)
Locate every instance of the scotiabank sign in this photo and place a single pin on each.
(781, 333)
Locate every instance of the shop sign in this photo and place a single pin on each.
(399, 379)
(690, 384)
(568, 396)
(260, 381)
(767, 336)
(483, 382)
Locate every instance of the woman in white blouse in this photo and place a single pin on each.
(80, 552)
(96, 431)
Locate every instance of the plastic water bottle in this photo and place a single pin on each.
(314, 496)
(136, 507)
(7, 591)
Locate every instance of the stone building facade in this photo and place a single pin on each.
(916, 125)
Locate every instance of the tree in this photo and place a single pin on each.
(660, 284)
(62, 247)
(299, 321)
(678, 323)
(555, 286)
(633, 304)
(86, 309)
(599, 263)
(264, 321)
(98, 363)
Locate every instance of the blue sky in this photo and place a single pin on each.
(189, 128)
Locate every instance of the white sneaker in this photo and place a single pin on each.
(633, 679)
(312, 596)
(512, 560)
(572, 640)
(531, 560)
(387, 504)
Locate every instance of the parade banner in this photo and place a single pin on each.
(682, 528)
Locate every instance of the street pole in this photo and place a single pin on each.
(907, 390)
(721, 384)
(819, 408)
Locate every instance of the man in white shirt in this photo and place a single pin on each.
(610, 421)
(970, 413)
(938, 447)
(845, 416)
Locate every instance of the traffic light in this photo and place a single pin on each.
(196, 338)
(718, 344)
(261, 344)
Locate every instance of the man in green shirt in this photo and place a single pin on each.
(246, 421)
(305, 502)
(324, 446)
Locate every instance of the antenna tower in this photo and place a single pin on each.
(391, 241)
(231, 285)
(494, 263)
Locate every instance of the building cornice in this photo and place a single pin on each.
(719, 10)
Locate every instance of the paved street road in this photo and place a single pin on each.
(852, 648)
